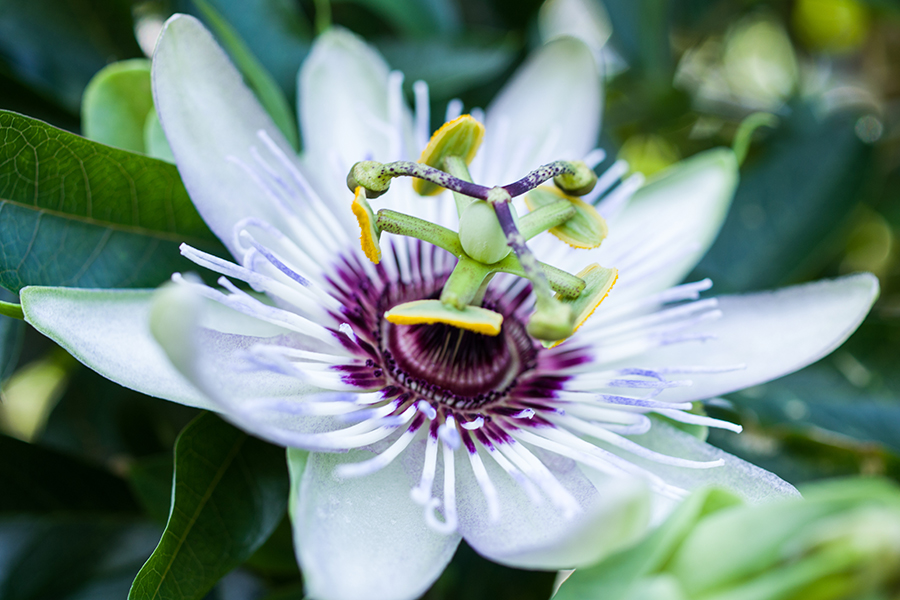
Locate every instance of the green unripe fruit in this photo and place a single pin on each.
(480, 233)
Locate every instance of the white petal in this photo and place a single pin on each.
(343, 105)
(669, 224)
(109, 331)
(534, 536)
(549, 111)
(748, 481)
(365, 537)
(770, 333)
(209, 115)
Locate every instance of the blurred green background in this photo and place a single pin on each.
(86, 466)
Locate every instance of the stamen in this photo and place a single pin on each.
(426, 409)
(254, 308)
(450, 522)
(539, 473)
(448, 433)
(692, 419)
(527, 486)
(619, 197)
(421, 494)
(423, 116)
(643, 323)
(686, 291)
(474, 424)
(377, 463)
(595, 157)
(609, 178)
(306, 190)
(601, 433)
(486, 485)
(454, 110)
(395, 114)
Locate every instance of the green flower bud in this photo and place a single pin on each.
(840, 542)
(480, 233)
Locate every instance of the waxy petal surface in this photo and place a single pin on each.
(669, 224)
(109, 331)
(768, 334)
(539, 536)
(550, 110)
(365, 537)
(212, 119)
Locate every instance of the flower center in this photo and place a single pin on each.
(457, 368)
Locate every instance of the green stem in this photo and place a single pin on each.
(744, 133)
(478, 299)
(457, 167)
(566, 284)
(464, 283)
(323, 16)
(546, 217)
(401, 224)
(10, 309)
(404, 168)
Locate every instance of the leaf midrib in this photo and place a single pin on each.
(226, 464)
(134, 229)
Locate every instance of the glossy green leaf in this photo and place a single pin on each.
(793, 198)
(822, 397)
(231, 491)
(116, 104)
(260, 81)
(56, 46)
(71, 557)
(472, 577)
(78, 213)
(38, 479)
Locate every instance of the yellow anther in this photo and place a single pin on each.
(599, 281)
(587, 229)
(428, 312)
(460, 137)
(368, 239)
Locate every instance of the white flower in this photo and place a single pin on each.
(420, 436)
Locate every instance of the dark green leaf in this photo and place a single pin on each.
(56, 46)
(472, 577)
(78, 213)
(71, 557)
(792, 199)
(449, 68)
(231, 491)
(821, 396)
(37, 479)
